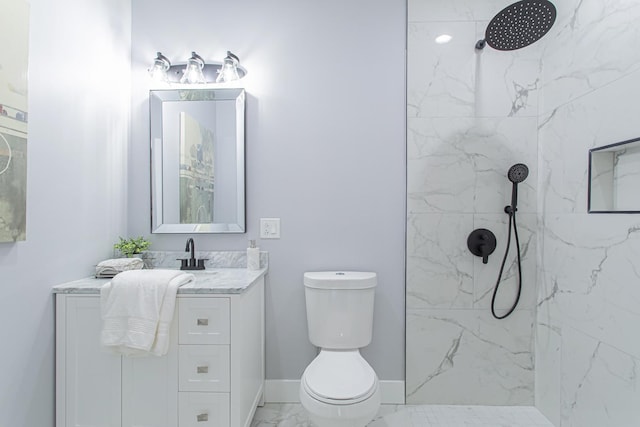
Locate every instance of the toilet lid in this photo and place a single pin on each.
(340, 375)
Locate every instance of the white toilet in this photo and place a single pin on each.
(339, 388)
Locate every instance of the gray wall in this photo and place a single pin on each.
(325, 148)
(79, 74)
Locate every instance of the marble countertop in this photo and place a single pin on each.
(210, 281)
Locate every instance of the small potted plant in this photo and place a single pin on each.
(130, 247)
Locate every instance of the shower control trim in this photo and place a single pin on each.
(482, 242)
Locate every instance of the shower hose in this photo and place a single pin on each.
(512, 224)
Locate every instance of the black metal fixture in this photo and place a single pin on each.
(191, 263)
(516, 174)
(519, 25)
(482, 242)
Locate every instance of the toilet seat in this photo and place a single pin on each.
(339, 378)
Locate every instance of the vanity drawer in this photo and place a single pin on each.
(203, 368)
(203, 409)
(203, 320)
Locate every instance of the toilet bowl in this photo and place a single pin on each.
(339, 388)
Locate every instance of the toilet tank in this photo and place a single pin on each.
(340, 308)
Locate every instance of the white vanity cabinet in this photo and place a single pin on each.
(212, 376)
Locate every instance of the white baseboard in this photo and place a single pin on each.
(286, 391)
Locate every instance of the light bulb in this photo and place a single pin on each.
(229, 69)
(193, 71)
(159, 68)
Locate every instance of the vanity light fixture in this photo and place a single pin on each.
(196, 70)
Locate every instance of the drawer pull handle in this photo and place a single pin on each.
(202, 369)
(202, 417)
(203, 322)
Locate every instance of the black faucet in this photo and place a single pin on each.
(191, 263)
(191, 246)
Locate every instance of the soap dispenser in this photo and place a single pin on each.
(253, 256)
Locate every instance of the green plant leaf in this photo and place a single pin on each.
(132, 246)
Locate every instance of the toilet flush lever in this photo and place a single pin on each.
(482, 242)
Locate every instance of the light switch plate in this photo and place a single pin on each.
(269, 228)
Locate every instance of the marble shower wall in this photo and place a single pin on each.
(587, 341)
(471, 116)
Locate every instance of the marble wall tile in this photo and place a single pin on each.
(548, 369)
(626, 179)
(454, 10)
(592, 262)
(506, 82)
(213, 259)
(601, 181)
(471, 116)
(600, 118)
(593, 43)
(460, 164)
(586, 89)
(486, 275)
(467, 357)
(588, 270)
(440, 77)
(456, 80)
(599, 383)
(439, 266)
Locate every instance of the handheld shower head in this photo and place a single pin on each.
(517, 173)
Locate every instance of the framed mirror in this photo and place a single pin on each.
(614, 178)
(197, 161)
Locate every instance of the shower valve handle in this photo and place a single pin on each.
(484, 253)
(482, 242)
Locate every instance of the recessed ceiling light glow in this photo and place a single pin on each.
(443, 38)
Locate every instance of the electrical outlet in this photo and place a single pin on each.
(269, 228)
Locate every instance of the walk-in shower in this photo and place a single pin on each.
(519, 25)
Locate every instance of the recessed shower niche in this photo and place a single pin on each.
(614, 178)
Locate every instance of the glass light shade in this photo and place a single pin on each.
(229, 69)
(159, 69)
(193, 71)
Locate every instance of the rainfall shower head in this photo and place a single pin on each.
(519, 25)
(518, 173)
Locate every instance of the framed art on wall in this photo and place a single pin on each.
(14, 56)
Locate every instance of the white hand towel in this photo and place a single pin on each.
(111, 267)
(137, 308)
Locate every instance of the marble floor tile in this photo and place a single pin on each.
(290, 415)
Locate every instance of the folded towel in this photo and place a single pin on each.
(137, 308)
(111, 267)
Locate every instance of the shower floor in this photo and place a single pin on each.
(293, 415)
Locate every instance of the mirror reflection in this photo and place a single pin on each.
(614, 177)
(197, 161)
